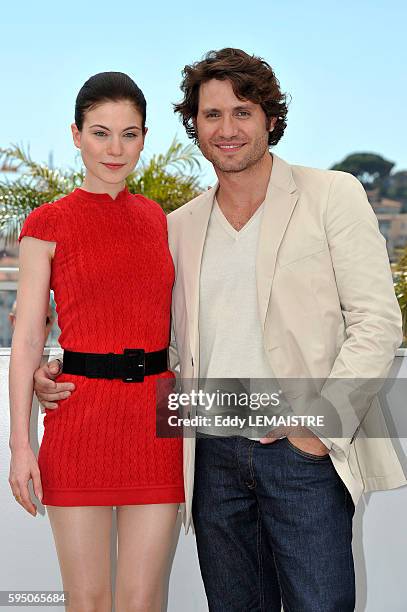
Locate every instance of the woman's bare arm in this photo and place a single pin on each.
(26, 352)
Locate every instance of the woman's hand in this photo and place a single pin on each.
(23, 467)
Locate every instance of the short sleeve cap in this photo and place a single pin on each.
(40, 223)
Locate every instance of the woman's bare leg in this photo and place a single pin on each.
(147, 535)
(82, 537)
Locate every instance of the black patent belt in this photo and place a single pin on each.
(131, 366)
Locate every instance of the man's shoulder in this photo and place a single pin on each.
(305, 176)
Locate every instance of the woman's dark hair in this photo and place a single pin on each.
(251, 78)
(108, 87)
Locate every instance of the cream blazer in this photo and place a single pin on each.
(326, 303)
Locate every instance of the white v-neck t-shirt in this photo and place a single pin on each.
(230, 331)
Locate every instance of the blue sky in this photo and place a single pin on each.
(343, 64)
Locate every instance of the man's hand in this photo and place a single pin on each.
(46, 389)
(302, 437)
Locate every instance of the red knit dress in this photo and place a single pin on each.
(112, 276)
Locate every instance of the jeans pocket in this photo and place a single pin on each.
(302, 453)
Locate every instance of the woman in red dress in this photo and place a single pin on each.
(105, 254)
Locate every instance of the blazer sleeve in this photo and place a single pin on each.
(370, 309)
(41, 223)
(174, 363)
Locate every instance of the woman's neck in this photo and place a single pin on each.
(94, 185)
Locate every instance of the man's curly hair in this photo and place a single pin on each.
(251, 77)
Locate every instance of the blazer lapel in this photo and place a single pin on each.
(196, 231)
(279, 204)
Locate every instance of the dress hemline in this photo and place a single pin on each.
(114, 497)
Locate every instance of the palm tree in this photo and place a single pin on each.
(168, 178)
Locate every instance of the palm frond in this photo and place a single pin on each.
(48, 179)
(16, 202)
(178, 156)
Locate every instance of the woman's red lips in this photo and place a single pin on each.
(113, 166)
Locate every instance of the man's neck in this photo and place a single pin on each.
(241, 193)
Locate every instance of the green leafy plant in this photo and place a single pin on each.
(168, 178)
(400, 287)
(155, 180)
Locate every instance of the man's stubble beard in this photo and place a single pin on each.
(253, 156)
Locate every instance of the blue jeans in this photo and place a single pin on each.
(273, 525)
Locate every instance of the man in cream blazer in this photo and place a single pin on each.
(273, 521)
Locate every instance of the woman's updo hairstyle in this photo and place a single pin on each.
(108, 87)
